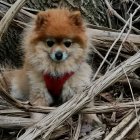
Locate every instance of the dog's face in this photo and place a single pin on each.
(57, 48)
(57, 40)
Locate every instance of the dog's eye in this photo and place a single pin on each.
(50, 42)
(67, 43)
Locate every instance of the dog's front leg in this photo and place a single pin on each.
(39, 95)
(67, 93)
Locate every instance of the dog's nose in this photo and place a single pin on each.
(59, 55)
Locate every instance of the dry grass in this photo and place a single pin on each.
(115, 105)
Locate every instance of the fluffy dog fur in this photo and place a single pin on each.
(59, 24)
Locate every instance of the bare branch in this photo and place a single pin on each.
(119, 17)
(6, 20)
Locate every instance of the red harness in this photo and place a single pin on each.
(55, 84)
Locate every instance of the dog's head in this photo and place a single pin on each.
(58, 39)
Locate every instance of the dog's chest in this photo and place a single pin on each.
(55, 84)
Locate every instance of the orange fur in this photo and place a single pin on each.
(60, 23)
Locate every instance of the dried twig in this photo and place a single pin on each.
(15, 122)
(97, 52)
(6, 20)
(79, 101)
(23, 10)
(116, 40)
(109, 20)
(134, 82)
(123, 127)
(115, 131)
(130, 6)
(77, 132)
(110, 36)
(94, 135)
(132, 97)
(125, 38)
(127, 128)
(119, 17)
(96, 109)
(99, 68)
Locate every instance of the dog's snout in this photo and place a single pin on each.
(59, 55)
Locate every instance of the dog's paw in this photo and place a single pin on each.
(67, 94)
(48, 98)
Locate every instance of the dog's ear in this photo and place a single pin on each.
(41, 19)
(76, 18)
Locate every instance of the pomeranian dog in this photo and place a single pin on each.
(55, 67)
